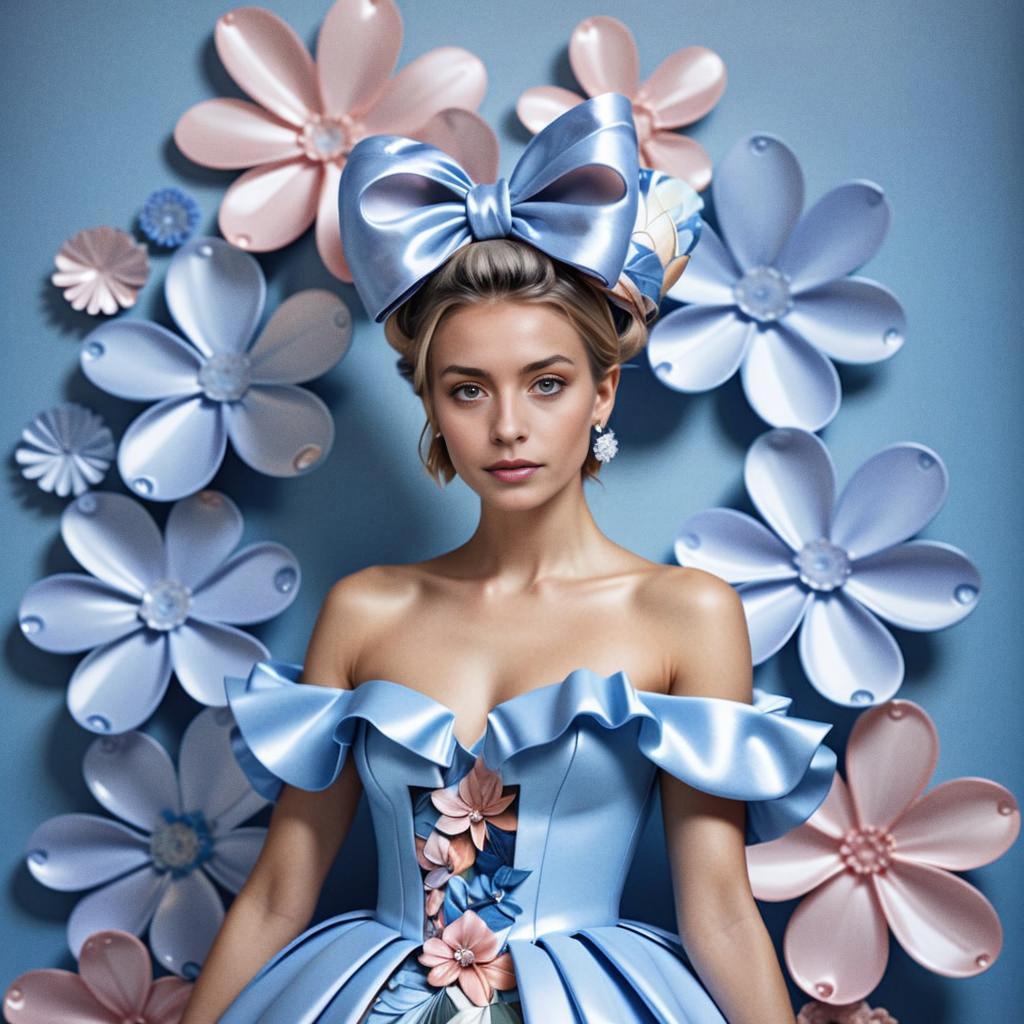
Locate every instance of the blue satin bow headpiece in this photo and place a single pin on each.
(405, 206)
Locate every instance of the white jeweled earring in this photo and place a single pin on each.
(605, 446)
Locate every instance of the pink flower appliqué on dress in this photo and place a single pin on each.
(475, 801)
(308, 115)
(114, 982)
(854, 1013)
(101, 270)
(682, 89)
(879, 855)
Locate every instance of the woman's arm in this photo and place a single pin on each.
(719, 922)
(306, 831)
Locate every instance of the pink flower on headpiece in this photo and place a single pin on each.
(114, 983)
(682, 89)
(475, 801)
(101, 270)
(854, 1013)
(311, 114)
(442, 856)
(879, 855)
(464, 952)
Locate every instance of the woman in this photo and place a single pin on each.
(507, 807)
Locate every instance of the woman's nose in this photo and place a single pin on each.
(509, 421)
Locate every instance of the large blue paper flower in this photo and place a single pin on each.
(832, 566)
(222, 385)
(181, 831)
(157, 604)
(770, 296)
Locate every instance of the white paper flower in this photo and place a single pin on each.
(65, 449)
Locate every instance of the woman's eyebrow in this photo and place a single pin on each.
(474, 371)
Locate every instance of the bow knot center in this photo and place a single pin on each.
(489, 210)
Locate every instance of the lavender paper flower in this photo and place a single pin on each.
(833, 566)
(770, 297)
(180, 832)
(65, 449)
(219, 384)
(156, 604)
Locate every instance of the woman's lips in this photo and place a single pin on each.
(512, 475)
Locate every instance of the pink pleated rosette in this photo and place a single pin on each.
(878, 855)
(684, 87)
(308, 114)
(101, 270)
(114, 983)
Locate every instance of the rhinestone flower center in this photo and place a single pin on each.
(165, 604)
(822, 565)
(225, 376)
(180, 843)
(763, 294)
(327, 138)
(464, 956)
(867, 851)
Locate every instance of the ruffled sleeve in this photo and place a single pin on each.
(287, 731)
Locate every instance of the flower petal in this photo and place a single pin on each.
(851, 320)
(139, 360)
(923, 584)
(788, 382)
(210, 778)
(309, 333)
(678, 155)
(759, 193)
(959, 825)
(132, 776)
(281, 429)
(943, 922)
(150, 457)
(733, 545)
(895, 493)
(48, 995)
(185, 923)
(837, 937)
(604, 57)
(838, 234)
(328, 230)
(845, 650)
(167, 999)
(684, 86)
(230, 134)
(269, 61)
(254, 585)
(773, 609)
(125, 905)
(70, 612)
(538, 106)
(77, 851)
(467, 137)
(709, 276)
(790, 477)
(793, 864)
(356, 51)
(447, 76)
(268, 207)
(205, 652)
(890, 756)
(835, 815)
(215, 293)
(201, 532)
(697, 348)
(234, 856)
(116, 967)
(119, 685)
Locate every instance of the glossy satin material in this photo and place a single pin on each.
(576, 959)
(406, 206)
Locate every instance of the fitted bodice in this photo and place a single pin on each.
(582, 752)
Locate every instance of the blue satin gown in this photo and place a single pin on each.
(546, 808)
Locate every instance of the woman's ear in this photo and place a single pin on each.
(606, 388)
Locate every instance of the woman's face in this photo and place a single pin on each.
(511, 381)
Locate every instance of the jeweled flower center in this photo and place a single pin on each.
(225, 376)
(867, 851)
(328, 138)
(180, 843)
(499, 895)
(822, 565)
(165, 604)
(463, 956)
(475, 815)
(763, 294)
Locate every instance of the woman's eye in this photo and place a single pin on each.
(458, 392)
(550, 380)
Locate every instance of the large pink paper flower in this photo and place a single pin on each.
(878, 855)
(681, 89)
(476, 800)
(114, 983)
(308, 116)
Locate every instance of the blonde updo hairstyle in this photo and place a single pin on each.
(504, 268)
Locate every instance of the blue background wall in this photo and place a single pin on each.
(922, 97)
